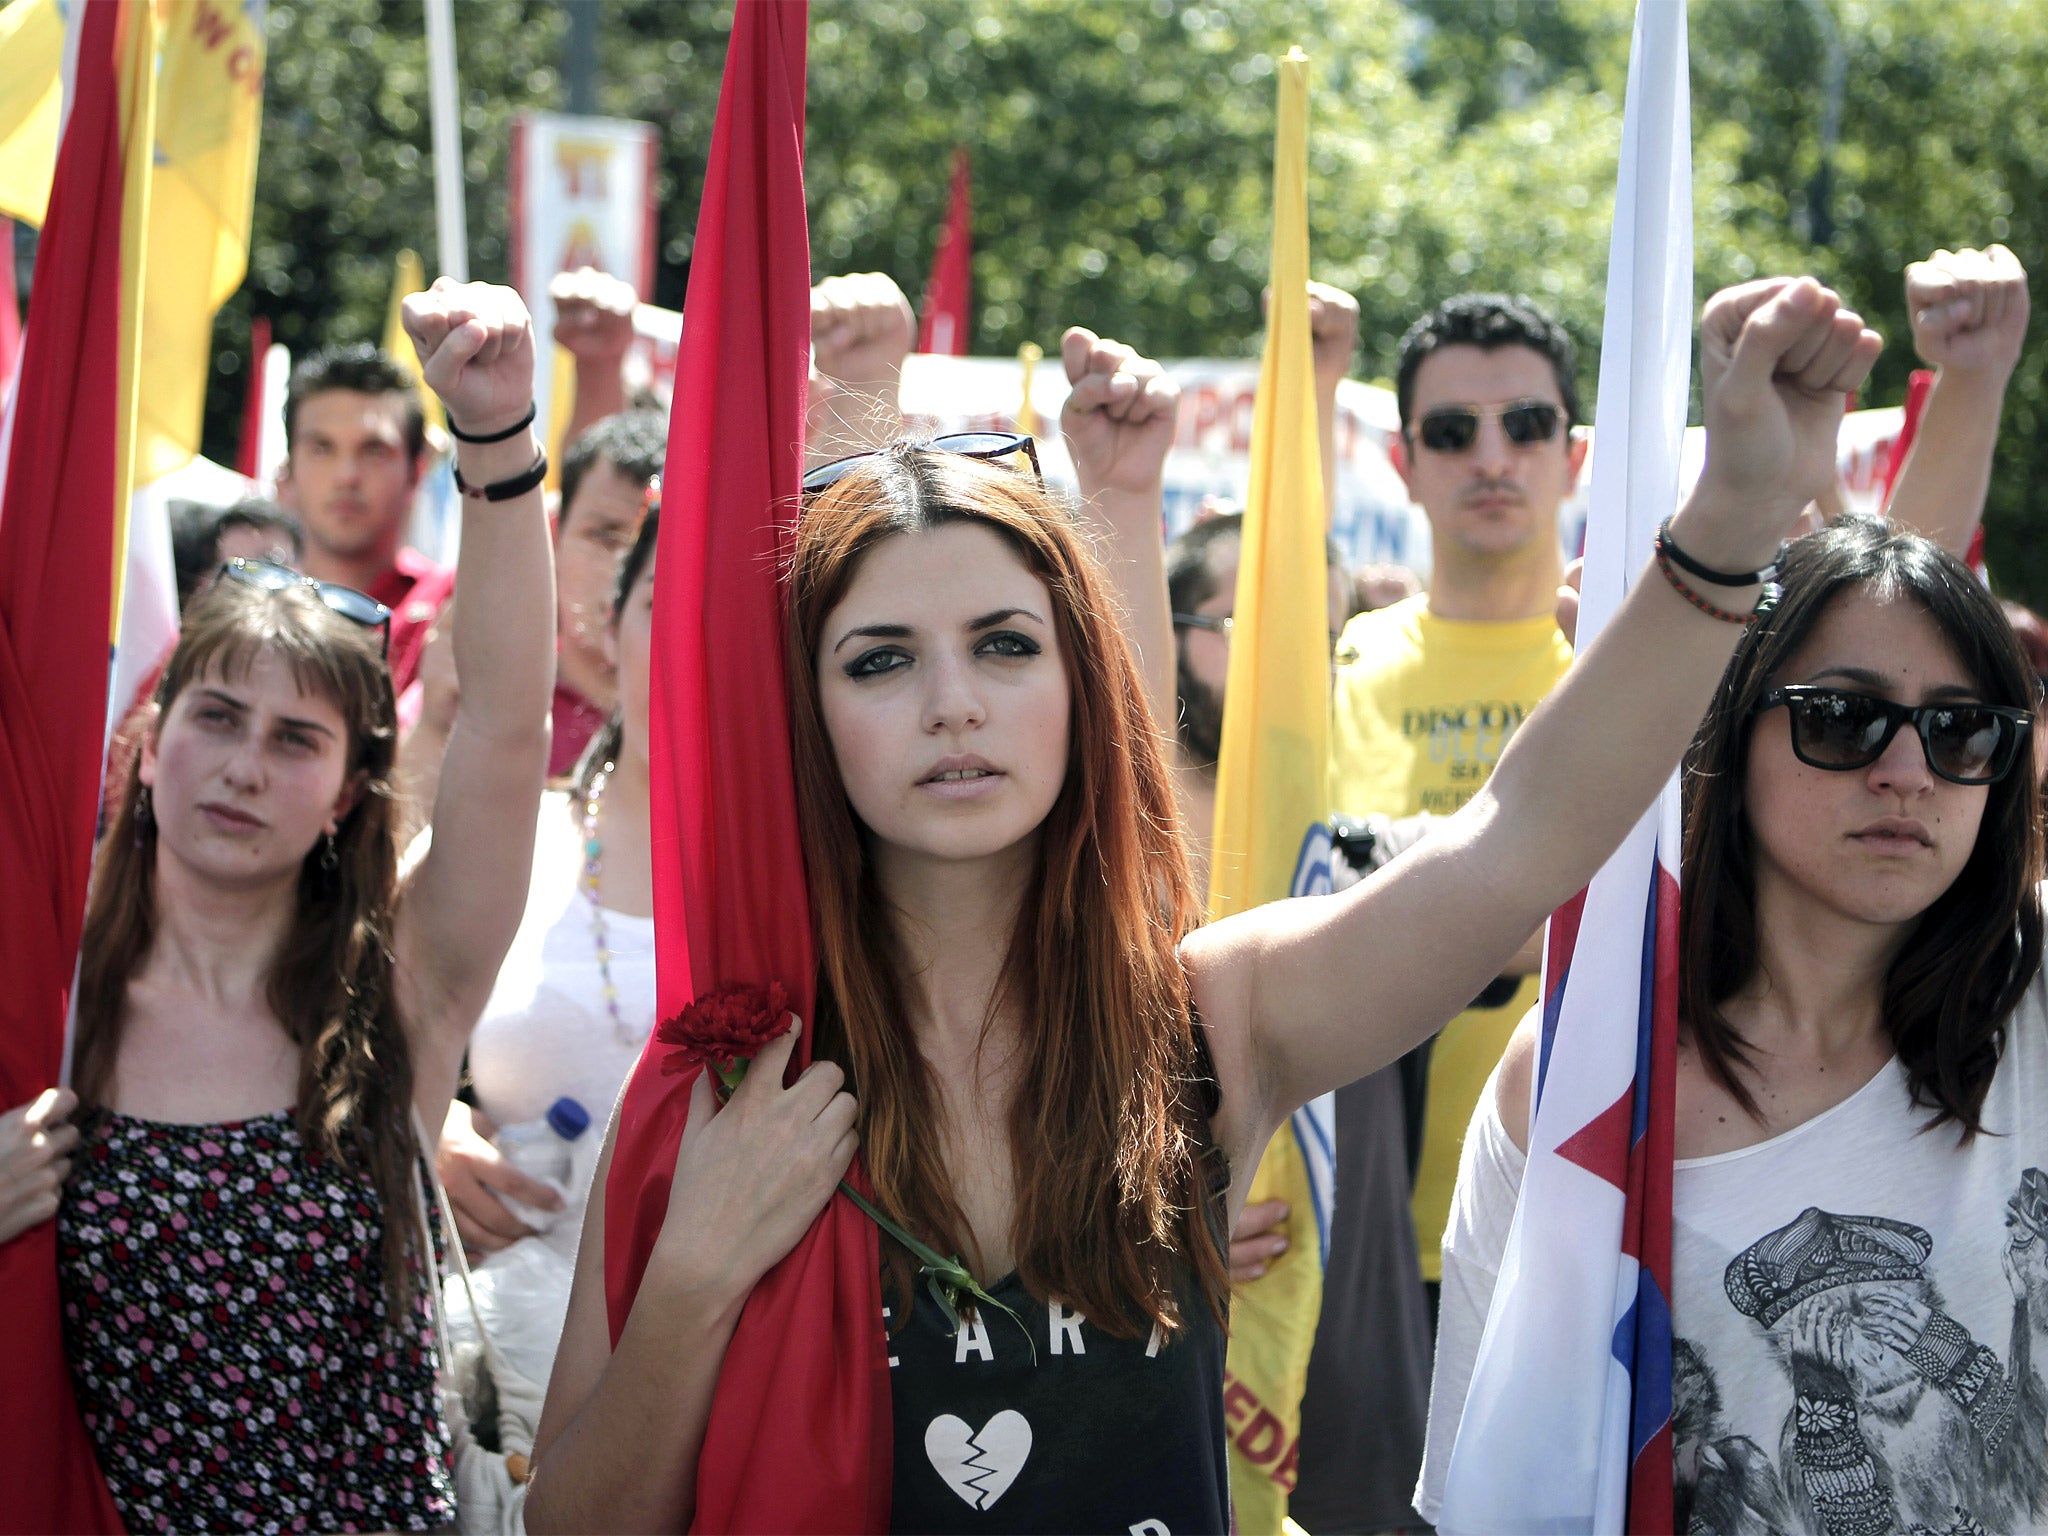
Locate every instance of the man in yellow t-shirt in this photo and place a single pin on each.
(1431, 690)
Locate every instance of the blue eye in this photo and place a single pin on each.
(882, 659)
(1009, 643)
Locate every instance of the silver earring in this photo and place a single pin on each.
(330, 860)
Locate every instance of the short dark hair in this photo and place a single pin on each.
(633, 442)
(1950, 991)
(1190, 577)
(365, 369)
(196, 528)
(1489, 321)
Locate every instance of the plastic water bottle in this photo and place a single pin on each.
(544, 1149)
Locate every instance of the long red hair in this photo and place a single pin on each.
(1108, 1128)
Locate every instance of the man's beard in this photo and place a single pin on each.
(1201, 718)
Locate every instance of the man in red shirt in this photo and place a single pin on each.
(355, 446)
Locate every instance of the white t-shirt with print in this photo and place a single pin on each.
(1860, 1308)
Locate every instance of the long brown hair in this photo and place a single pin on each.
(331, 984)
(1108, 1129)
(1952, 988)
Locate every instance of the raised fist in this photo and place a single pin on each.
(1969, 310)
(593, 314)
(861, 330)
(1120, 415)
(475, 344)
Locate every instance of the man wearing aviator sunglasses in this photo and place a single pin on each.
(1430, 690)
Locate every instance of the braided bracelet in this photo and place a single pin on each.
(1766, 600)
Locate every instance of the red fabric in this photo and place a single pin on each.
(1918, 387)
(799, 1433)
(576, 721)
(56, 600)
(414, 590)
(248, 456)
(10, 309)
(947, 297)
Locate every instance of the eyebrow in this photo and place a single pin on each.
(1877, 681)
(242, 708)
(904, 631)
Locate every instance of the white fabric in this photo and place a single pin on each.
(1475, 1239)
(546, 1033)
(1545, 1441)
(1922, 1393)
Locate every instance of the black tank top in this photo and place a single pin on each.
(1099, 1434)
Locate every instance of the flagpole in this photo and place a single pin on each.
(449, 220)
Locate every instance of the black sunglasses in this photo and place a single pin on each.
(358, 607)
(968, 445)
(1456, 428)
(1965, 743)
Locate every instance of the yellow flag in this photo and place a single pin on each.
(208, 120)
(1271, 810)
(139, 84)
(408, 278)
(31, 105)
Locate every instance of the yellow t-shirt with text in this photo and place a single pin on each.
(1423, 708)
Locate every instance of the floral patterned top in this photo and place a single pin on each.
(225, 1322)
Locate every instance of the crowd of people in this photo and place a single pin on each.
(372, 913)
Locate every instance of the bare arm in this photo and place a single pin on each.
(462, 906)
(594, 323)
(861, 330)
(417, 774)
(1119, 422)
(1333, 328)
(1969, 315)
(621, 1432)
(1328, 989)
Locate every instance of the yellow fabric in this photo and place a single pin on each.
(209, 118)
(1269, 795)
(561, 406)
(139, 83)
(409, 277)
(1422, 710)
(31, 105)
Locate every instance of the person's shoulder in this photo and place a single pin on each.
(1382, 634)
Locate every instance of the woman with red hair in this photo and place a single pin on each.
(1047, 1066)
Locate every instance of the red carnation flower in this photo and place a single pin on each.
(724, 1028)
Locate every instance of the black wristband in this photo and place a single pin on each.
(504, 490)
(1668, 547)
(494, 437)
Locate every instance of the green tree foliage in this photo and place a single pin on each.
(1122, 157)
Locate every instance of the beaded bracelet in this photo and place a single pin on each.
(1766, 600)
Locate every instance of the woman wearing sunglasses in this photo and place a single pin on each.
(1860, 1259)
(1050, 1072)
(265, 1012)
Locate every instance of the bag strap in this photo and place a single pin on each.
(425, 1173)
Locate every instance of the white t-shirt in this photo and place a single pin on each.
(546, 1033)
(1860, 1308)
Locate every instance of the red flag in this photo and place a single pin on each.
(943, 326)
(56, 599)
(799, 1434)
(1919, 385)
(10, 310)
(248, 459)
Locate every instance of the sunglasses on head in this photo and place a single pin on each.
(1835, 729)
(967, 445)
(358, 607)
(1455, 428)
